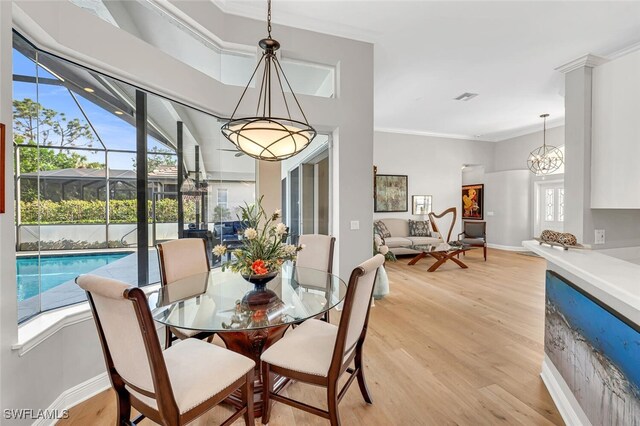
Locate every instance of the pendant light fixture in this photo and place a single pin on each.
(268, 136)
(546, 159)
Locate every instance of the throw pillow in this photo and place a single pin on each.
(419, 228)
(381, 229)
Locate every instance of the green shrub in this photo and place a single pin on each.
(87, 212)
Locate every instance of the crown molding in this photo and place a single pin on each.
(624, 51)
(589, 61)
(430, 134)
(526, 130)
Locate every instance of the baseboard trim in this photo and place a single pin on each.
(75, 395)
(507, 248)
(567, 404)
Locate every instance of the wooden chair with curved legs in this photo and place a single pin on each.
(318, 353)
(317, 254)
(180, 259)
(434, 225)
(171, 387)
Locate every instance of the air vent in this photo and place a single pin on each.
(466, 96)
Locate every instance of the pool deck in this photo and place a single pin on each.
(68, 293)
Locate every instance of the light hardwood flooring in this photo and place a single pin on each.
(453, 347)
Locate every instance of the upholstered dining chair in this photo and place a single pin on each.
(317, 254)
(434, 223)
(474, 234)
(171, 387)
(318, 353)
(180, 259)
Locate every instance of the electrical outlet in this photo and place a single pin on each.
(599, 238)
(355, 225)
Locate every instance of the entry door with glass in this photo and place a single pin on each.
(550, 214)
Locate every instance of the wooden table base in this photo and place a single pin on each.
(252, 344)
(441, 258)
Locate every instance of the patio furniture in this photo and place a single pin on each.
(248, 320)
(317, 254)
(179, 259)
(171, 387)
(437, 220)
(319, 353)
(442, 252)
(474, 234)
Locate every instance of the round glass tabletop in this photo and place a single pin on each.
(217, 301)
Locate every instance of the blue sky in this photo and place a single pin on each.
(114, 131)
(604, 331)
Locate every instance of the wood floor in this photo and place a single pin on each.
(453, 347)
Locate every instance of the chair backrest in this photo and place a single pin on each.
(438, 225)
(355, 312)
(128, 336)
(317, 253)
(182, 258)
(475, 229)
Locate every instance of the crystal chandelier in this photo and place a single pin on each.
(265, 136)
(546, 159)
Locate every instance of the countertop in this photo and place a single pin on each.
(613, 281)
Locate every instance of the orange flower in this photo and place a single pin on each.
(258, 267)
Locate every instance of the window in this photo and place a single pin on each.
(76, 149)
(222, 197)
(549, 205)
(561, 205)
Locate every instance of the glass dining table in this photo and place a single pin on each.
(247, 319)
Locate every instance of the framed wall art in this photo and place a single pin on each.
(421, 204)
(473, 202)
(391, 193)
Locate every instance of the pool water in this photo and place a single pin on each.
(56, 270)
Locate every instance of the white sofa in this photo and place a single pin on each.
(400, 241)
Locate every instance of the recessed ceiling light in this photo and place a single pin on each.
(466, 96)
(89, 90)
(118, 112)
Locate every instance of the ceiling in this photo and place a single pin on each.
(427, 53)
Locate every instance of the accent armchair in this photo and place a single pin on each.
(474, 234)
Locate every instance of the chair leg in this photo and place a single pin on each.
(266, 393)
(167, 337)
(485, 253)
(247, 399)
(332, 402)
(364, 390)
(124, 407)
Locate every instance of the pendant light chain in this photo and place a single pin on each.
(269, 18)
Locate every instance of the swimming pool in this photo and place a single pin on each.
(39, 274)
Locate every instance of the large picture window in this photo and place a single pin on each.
(78, 181)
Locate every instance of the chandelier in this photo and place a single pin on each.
(546, 159)
(265, 136)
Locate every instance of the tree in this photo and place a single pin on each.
(31, 119)
(33, 159)
(157, 157)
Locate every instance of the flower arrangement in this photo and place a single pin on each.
(263, 250)
(380, 247)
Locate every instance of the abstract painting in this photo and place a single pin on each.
(421, 204)
(391, 193)
(472, 201)
(597, 352)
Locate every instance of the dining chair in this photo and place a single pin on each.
(434, 223)
(318, 353)
(170, 387)
(317, 254)
(179, 259)
(474, 234)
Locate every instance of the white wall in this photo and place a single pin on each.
(507, 197)
(434, 166)
(73, 355)
(512, 154)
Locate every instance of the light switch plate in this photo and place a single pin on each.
(599, 237)
(355, 225)
(491, 214)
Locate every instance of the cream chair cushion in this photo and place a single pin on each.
(199, 370)
(182, 258)
(307, 348)
(316, 253)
